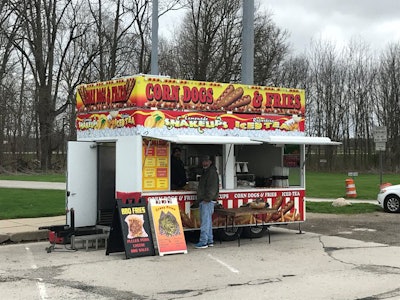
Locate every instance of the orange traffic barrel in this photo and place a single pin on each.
(350, 188)
(383, 185)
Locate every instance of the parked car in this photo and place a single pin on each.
(389, 198)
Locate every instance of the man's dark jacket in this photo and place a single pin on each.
(208, 189)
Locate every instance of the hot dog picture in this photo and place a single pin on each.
(230, 88)
(230, 98)
(278, 216)
(245, 100)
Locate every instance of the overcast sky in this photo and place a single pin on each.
(377, 22)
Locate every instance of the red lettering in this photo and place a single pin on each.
(186, 94)
(297, 101)
(203, 95)
(269, 99)
(257, 100)
(157, 92)
(174, 96)
(277, 100)
(101, 96)
(149, 92)
(288, 101)
(153, 92)
(89, 98)
(118, 94)
(162, 92)
(210, 96)
(196, 95)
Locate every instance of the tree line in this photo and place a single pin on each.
(47, 48)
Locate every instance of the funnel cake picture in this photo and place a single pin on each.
(135, 226)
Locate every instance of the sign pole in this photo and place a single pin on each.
(380, 166)
(380, 139)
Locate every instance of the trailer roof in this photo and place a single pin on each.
(302, 140)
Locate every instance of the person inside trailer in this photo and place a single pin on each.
(178, 172)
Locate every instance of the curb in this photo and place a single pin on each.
(29, 236)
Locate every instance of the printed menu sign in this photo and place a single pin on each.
(168, 226)
(155, 165)
(131, 225)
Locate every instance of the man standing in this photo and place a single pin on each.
(207, 195)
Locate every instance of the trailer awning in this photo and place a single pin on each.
(297, 140)
(199, 139)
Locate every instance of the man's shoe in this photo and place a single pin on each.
(200, 246)
(210, 244)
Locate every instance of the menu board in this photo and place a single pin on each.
(155, 165)
(168, 226)
(131, 231)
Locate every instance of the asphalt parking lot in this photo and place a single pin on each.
(378, 227)
(294, 266)
(337, 257)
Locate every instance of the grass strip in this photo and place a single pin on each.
(355, 208)
(31, 203)
(56, 177)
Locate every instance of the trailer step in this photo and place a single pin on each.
(94, 239)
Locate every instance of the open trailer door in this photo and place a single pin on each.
(82, 183)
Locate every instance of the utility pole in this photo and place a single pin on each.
(154, 39)
(247, 74)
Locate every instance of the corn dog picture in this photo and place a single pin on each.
(233, 96)
(224, 94)
(245, 100)
(277, 203)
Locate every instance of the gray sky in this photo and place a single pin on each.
(376, 22)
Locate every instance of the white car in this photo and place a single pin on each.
(389, 198)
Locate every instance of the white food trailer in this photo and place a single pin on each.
(127, 127)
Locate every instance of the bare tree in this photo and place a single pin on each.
(270, 51)
(325, 95)
(6, 66)
(40, 24)
(293, 72)
(359, 84)
(388, 101)
(208, 44)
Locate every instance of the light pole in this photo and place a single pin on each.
(247, 74)
(154, 39)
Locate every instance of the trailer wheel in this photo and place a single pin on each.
(229, 233)
(254, 232)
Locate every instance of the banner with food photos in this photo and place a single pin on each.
(167, 224)
(171, 123)
(166, 93)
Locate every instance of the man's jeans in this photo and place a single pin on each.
(206, 232)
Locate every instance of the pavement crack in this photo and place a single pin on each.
(377, 269)
(393, 294)
(176, 294)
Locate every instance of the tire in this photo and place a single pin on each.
(254, 232)
(392, 204)
(229, 233)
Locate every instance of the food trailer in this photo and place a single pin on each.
(126, 129)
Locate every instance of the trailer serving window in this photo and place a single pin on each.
(221, 148)
(292, 153)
